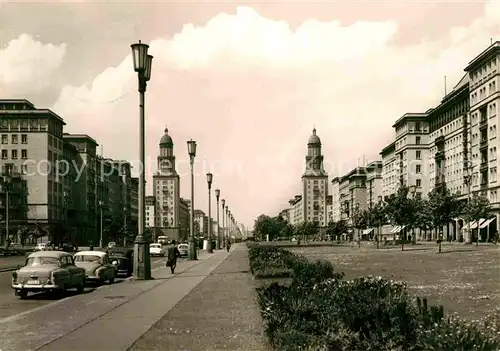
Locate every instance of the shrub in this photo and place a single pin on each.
(266, 262)
(321, 311)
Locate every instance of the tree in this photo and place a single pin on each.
(401, 210)
(423, 218)
(265, 225)
(306, 229)
(359, 220)
(286, 230)
(478, 208)
(442, 207)
(377, 217)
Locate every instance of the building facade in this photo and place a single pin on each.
(314, 184)
(150, 212)
(390, 181)
(200, 223)
(374, 192)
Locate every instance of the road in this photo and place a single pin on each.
(11, 305)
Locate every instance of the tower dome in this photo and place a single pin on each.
(166, 141)
(314, 139)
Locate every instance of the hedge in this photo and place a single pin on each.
(322, 311)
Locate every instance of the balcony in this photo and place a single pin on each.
(439, 140)
(483, 123)
(483, 144)
(439, 156)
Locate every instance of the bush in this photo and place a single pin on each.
(271, 262)
(321, 311)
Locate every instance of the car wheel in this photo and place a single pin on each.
(81, 287)
(22, 294)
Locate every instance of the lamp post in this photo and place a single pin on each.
(192, 243)
(142, 65)
(217, 243)
(230, 225)
(100, 230)
(6, 185)
(210, 177)
(65, 199)
(223, 223)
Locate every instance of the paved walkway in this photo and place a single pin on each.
(209, 299)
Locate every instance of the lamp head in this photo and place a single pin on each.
(210, 177)
(140, 56)
(223, 203)
(192, 148)
(217, 193)
(147, 71)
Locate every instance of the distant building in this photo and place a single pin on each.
(150, 212)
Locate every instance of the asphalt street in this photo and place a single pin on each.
(11, 305)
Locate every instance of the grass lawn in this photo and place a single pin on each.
(464, 278)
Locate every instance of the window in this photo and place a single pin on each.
(14, 138)
(417, 140)
(418, 169)
(24, 169)
(4, 154)
(24, 154)
(418, 183)
(14, 154)
(24, 138)
(5, 139)
(418, 154)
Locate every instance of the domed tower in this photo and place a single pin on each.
(166, 190)
(315, 184)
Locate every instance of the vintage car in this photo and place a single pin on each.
(48, 271)
(183, 249)
(122, 259)
(97, 266)
(156, 250)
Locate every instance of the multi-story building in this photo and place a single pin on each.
(285, 214)
(329, 209)
(483, 72)
(201, 223)
(315, 184)
(336, 203)
(31, 148)
(125, 173)
(134, 206)
(166, 189)
(373, 183)
(150, 212)
(390, 180)
(296, 210)
(412, 151)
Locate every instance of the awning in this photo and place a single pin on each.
(399, 228)
(396, 229)
(486, 223)
(367, 231)
(476, 223)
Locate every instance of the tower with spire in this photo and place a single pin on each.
(169, 214)
(315, 184)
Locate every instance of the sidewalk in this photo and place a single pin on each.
(221, 313)
(114, 317)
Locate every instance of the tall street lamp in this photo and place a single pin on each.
(125, 226)
(6, 185)
(192, 243)
(217, 243)
(223, 202)
(100, 230)
(210, 177)
(228, 222)
(142, 65)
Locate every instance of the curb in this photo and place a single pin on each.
(4, 270)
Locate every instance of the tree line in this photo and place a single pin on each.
(400, 209)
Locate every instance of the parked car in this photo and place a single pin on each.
(156, 250)
(41, 247)
(122, 259)
(68, 247)
(48, 271)
(97, 266)
(183, 249)
(111, 244)
(162, 239)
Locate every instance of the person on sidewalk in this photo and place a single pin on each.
(228, 244)
(172, 254)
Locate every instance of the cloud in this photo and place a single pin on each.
(249, 89)
(27, 65)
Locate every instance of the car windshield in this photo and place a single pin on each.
(155, 246)
(87, 258)
(182, 246)
(39, 261)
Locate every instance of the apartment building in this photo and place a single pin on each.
(150, 212)
(336, 203)
(315, 183)
(285, 214)
(390, 180)
(184, 213)
(412, 151)
(374, 192)
(134, 204)
(201, 223)
(329, 209)
(296, 210)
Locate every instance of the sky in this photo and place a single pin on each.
(247, 81)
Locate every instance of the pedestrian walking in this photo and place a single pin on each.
(172, 254)
(228, 244)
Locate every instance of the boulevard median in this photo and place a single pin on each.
(316, 308)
